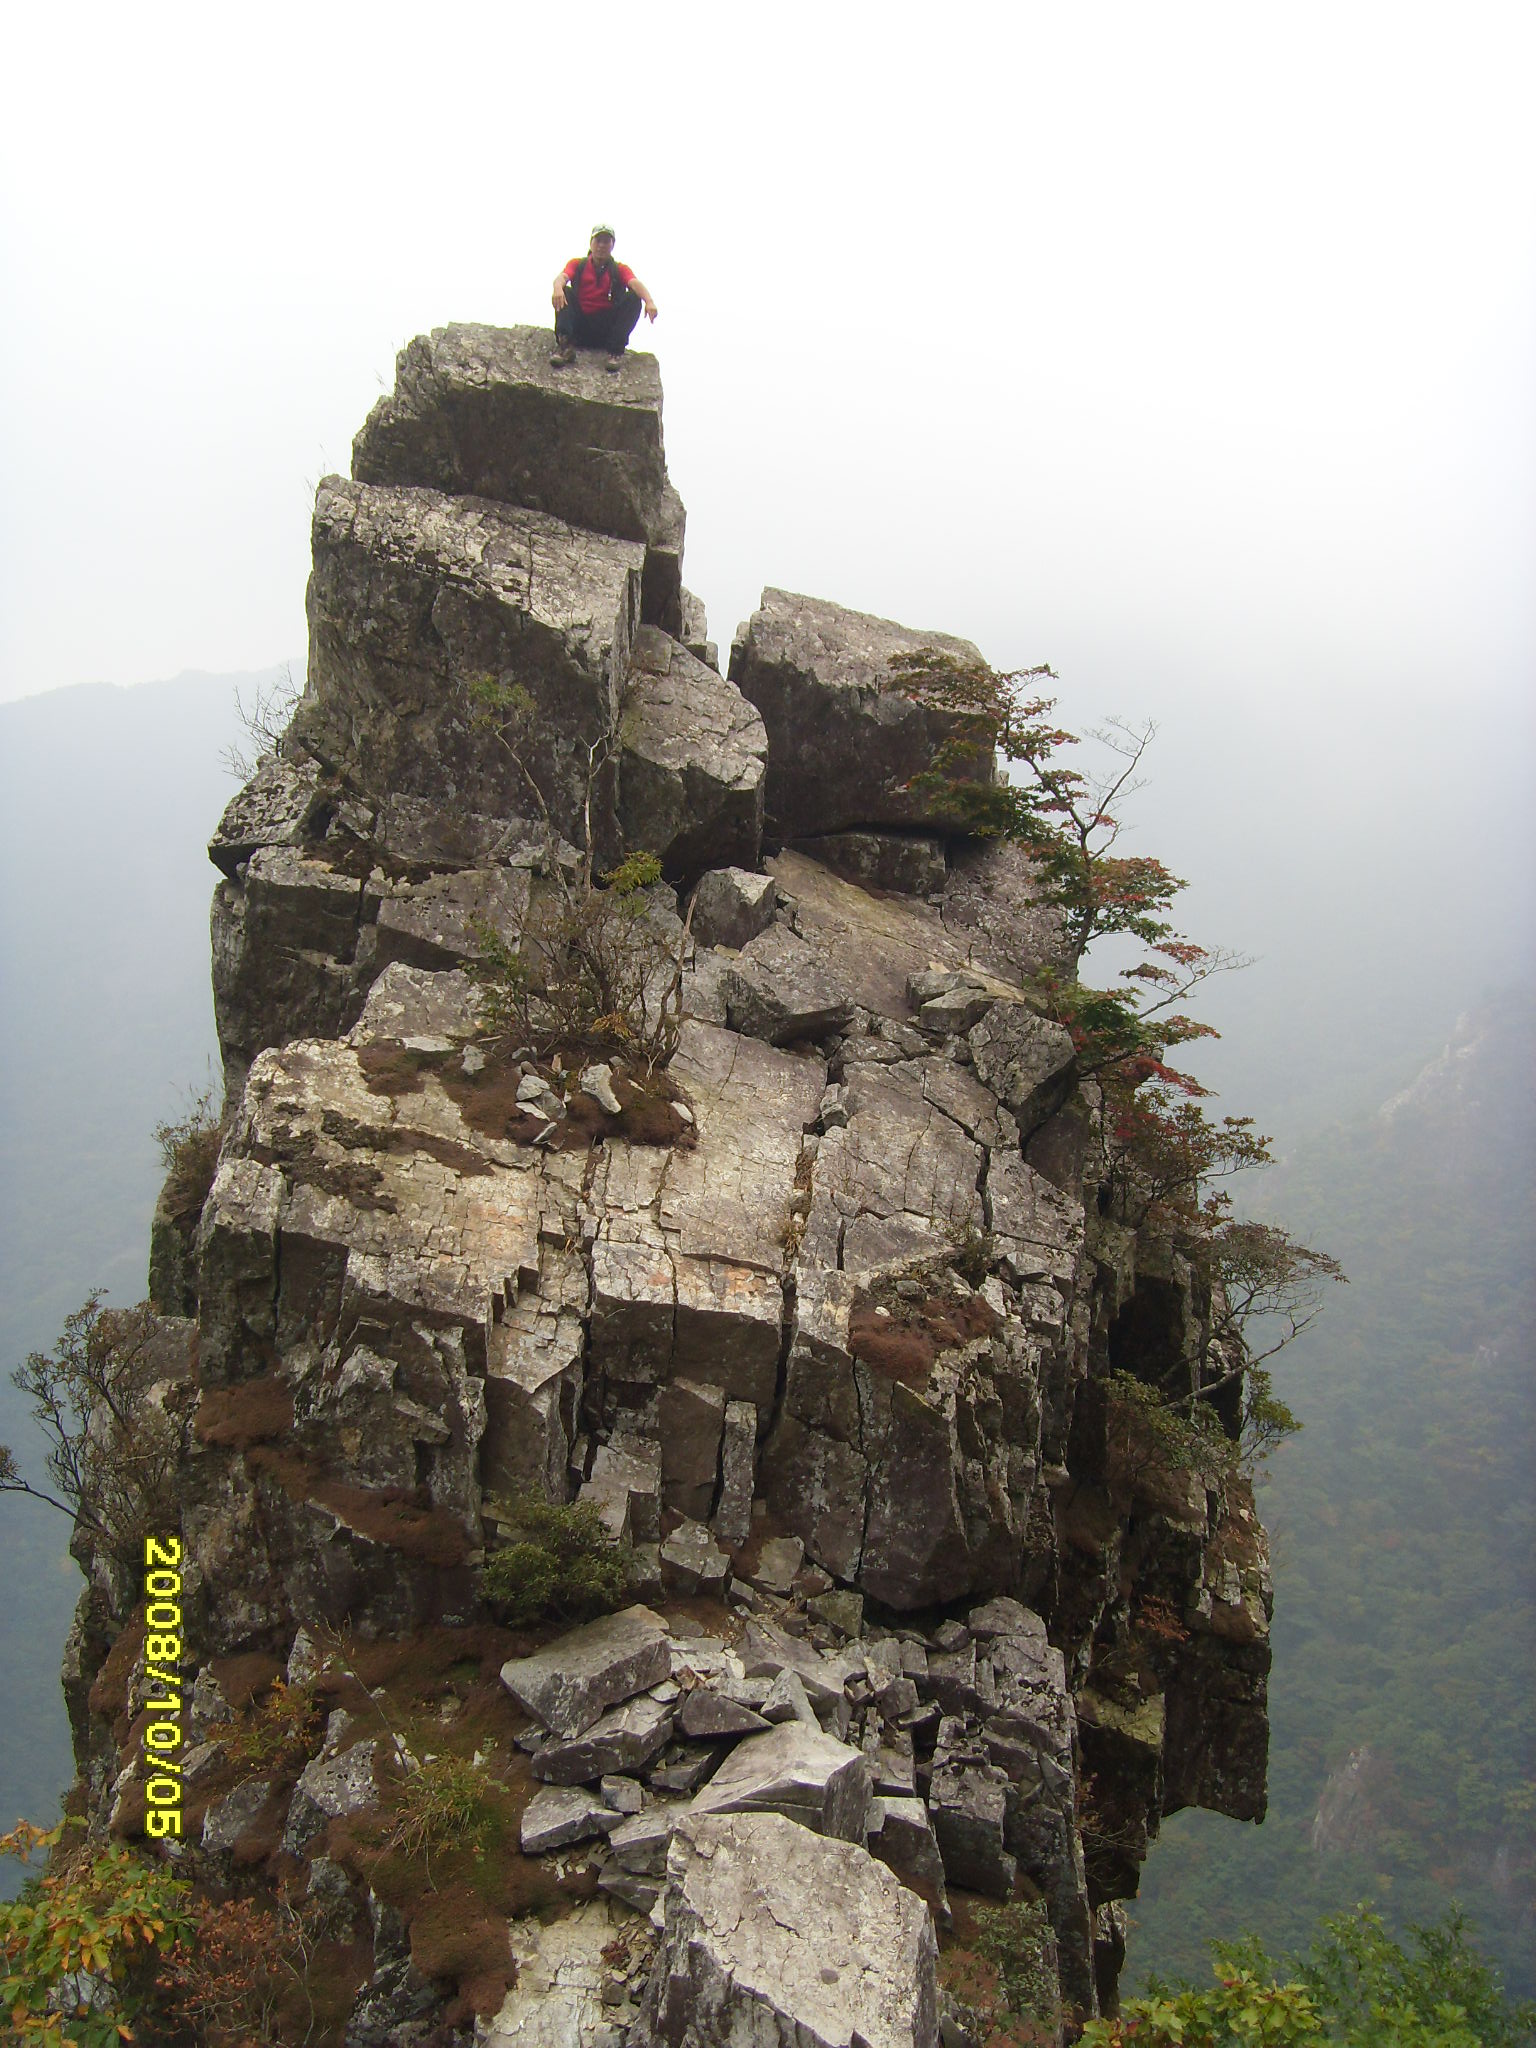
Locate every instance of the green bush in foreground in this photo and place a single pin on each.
(79, 1948)
(1354, 1988)
(559, 1560)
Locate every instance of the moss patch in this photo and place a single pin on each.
(999, 1963)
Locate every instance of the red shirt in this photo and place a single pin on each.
(594, 287)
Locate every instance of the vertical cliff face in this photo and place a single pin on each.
(796, 1272)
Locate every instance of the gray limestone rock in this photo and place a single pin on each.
(628, 1469)
(416, 599)
(969, 1806)
(434, 923)
(691, 1420)
(797, 1771)
(691, 763)
(328, 1788)
(732, 1522)
(623, 1739)
(773, 1935)
(995, 907)
(707, 1714)
(275, 808)
(1028, 1063)
(904, 1840)
(559, 1815)
(286, 938)
(419, 1008)
(568, 1685)
(228, 1818)
(574, 1975)
(732, 905)
(787, 1700)
(778, 1560)
(694, 632)
(843, 741)
(778, 989)
(766, 1651)
(480, 412)
(909, 862)
(692, 1562)
(534, 1379)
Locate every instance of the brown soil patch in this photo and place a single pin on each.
(109, 1691)
(244, 1414)
(488, 1102)
(242, 1677)
(904, 1342)
(392, 1069)
(401, 1518)
(465, 1161)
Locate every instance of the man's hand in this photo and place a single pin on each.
(650, 308)
(559, 300)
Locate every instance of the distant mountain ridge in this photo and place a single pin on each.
(1403, 1757)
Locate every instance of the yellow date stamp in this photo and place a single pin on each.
(163, 1648)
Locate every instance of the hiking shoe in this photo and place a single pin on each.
(563, 355)
(614, 362)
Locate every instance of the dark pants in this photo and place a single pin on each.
(609, 329)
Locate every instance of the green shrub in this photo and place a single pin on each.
(558, 1560)
(1355, 1988)
(88, 1933)
(439, 1807)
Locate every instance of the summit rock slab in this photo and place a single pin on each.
(481, 412)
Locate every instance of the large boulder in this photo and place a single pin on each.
(844, 742)
(418, 601)
(775, 1935)
(481, 412)
(569, 1684)
(691, 762)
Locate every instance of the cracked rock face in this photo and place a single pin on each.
(843, 742)
(826, 1332)
(773, 1934)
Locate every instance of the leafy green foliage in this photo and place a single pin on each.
(1355, 1988)
(559, 1560)
(1143, 1425)
(592, 969)
(77, 1946)
(438, 1807)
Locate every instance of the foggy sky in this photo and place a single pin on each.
(1187, 348)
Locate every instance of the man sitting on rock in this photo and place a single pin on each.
(607, 303)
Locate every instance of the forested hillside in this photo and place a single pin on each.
(1403, 1765)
